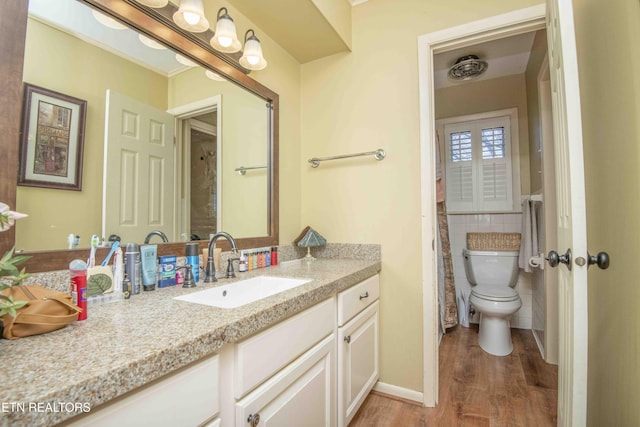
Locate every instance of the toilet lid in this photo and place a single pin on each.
(495, 293)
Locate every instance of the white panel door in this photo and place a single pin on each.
(571, 216)
(139, 157)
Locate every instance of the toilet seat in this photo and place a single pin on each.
(495, 293)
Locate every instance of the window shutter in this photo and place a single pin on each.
(495, 166)
(459, 172)
(478, 165)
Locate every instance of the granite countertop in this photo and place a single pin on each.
(126, 344)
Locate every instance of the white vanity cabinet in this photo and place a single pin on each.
(189, 397)
(284, 375)
(302, 394)
(358, 346)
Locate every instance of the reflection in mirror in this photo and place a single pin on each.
(219, 127)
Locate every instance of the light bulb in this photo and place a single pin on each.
(253, 60)
(191, 18)
(225, 41)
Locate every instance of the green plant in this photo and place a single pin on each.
(10, 276)
(9, 273)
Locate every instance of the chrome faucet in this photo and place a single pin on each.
(211, 268)
(156, 233)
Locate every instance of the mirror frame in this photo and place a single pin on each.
(13, 22)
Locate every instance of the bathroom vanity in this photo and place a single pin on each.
(308, 353)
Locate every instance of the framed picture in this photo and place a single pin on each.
(52, 139)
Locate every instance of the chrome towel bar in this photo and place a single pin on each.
(242, 170)
(379, 155)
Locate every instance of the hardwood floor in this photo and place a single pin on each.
(476, 388)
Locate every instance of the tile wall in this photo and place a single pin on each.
(459, 225)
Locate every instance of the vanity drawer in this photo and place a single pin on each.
(357, 298)
(259, 357)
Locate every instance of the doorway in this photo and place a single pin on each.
(570, 188)
(201, 168)
(526, 20)
(198, 148)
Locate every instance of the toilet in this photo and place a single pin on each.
(492, 275)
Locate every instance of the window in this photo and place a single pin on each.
(480, 155)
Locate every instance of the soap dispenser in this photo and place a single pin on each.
(188, 276)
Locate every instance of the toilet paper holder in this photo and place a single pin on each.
(537, 261)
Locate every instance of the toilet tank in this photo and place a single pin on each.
(498, 268)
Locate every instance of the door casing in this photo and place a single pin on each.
(496, 27)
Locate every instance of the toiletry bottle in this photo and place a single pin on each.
(78, 273)
(126, 286)
(254, 260)
(192, 258)
(179, 271)
(132, 267)
(268, 252)
(274, 256)
(149, 257)
(242, 264)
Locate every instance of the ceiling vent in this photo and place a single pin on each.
(468, 67)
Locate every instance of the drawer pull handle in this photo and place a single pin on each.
(347, 339)
(253, 420)
(365, 295)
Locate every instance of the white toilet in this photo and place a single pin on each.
(493, 276)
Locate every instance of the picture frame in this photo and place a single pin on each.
(51, 139)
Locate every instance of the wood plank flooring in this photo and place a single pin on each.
(476, 388)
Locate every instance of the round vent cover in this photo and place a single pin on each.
(467, 68)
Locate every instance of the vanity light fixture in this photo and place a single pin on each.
(107, 21)
(225, 38)
(190, 16)
(185, 61)
(214, 76)
(150, 43)
(153, 3)
(252, 58)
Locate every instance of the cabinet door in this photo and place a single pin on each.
(302, 394)
(188, 397)
(358, 362)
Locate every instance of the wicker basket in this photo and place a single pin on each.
(493, 241)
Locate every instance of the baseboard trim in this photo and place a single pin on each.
(401, 392)
(539, 342)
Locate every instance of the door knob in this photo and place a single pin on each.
(554, 259)
(602, 259)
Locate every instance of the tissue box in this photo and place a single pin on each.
(167, 270)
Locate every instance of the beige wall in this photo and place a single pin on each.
(608, 36)
(86, 74)
(365, 100)
(490, 95)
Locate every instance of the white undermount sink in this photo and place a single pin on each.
(243, 292)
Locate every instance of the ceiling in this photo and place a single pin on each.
(507, 56)
(309, 36)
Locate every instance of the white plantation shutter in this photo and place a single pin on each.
(459, 168)
(478, 165)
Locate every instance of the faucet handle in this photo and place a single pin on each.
(230, 273)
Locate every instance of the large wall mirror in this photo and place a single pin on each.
(219, 173)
